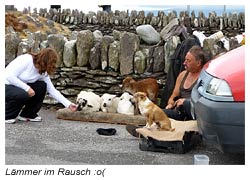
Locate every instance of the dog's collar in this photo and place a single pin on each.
(129, 93)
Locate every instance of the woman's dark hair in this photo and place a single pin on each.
(199, 54)
(45, 60)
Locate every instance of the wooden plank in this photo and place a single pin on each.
(100, 117)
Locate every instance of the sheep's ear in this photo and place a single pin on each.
(90, 106)
(78, 100)
(84, 100)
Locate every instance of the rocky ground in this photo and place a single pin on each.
(21, 22)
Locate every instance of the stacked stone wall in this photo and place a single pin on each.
(103, 47)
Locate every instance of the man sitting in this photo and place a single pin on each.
(178, 106)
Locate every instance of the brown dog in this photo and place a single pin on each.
(149, 86)
(153, 113)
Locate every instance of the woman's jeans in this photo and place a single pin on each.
(17, 100)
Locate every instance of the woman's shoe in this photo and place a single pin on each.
(10, 121)
(36, 119)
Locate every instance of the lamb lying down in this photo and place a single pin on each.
(109, 103)
(88, 102)
(125, 106)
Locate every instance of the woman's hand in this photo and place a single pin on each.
(31, 92)
(73, 107)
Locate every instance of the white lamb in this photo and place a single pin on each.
(109, 103)
(88, 102)
(125, 106)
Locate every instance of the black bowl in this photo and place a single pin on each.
(106, 132)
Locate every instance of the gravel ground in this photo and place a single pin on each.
(61, 142)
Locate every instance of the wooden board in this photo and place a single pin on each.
(100, 117)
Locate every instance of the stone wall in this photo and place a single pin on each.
(104, 47)
(229, 23)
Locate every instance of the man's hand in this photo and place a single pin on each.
(170, 106)
(175, 104)
(179, 102)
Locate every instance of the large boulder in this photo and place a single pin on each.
(106, 41)
(69, 53)
(148, 34)
(130, 43)
(84, 43)
(139, 62)
(57, 41)
(113, 54)
(11, 46)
